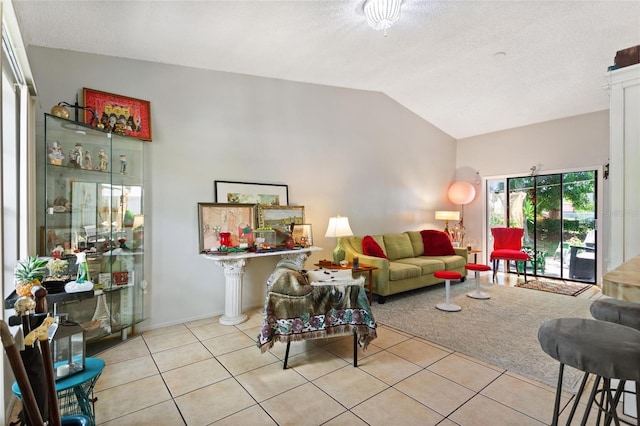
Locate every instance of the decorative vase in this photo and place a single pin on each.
(289, 243)
(225, 239)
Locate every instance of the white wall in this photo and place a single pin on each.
(355, 153)
(579, 142)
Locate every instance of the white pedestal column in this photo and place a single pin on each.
(233, 272)
(233, 265)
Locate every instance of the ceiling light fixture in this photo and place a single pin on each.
(382, 14)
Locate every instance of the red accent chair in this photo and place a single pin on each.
(507, 245)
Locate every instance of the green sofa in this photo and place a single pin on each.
(406, 267)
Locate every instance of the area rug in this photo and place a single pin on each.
(568, 289)
(502, 331)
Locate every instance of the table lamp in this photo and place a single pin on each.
(447, 215)
(338, 227)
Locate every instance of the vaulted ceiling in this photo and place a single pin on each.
(467, 67)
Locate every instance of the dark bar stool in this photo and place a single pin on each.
(616, 310)
(608, 350)
(620, 312)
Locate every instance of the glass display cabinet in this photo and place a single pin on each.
(93, 195)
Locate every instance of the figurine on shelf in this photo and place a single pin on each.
(104, 121)
(103, 161)
(112, 122)
(76, 157)
(123, 244)
(55, 154)
(57, 252)
(131, 125)
(88, 164)
(123, 164)
(83, 281)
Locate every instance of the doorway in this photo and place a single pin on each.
(558, 214)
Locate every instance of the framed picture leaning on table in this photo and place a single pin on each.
(214, 218)
(280, 217)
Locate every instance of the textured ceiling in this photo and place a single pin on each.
(438, 60)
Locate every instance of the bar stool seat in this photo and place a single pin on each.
(448, 276)
(477, 268)
(617, 311)
(608, 350)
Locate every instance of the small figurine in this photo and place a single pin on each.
(76, 157)
(57, 252)
(55, 154)
(103, 161)
(123, 164)
(104, 121)
(87, 161)
(123, 244)
(72, 158)
(83, 268)
(83, 281)
(112, 122)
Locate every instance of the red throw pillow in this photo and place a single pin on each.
(371, 248)
(436, 243)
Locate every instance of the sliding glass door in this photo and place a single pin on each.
(558, 215)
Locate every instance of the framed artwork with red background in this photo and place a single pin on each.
(119, 114)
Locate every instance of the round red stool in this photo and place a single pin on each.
(477, 268)
(448, 276)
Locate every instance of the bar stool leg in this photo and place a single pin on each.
(578, 396)
(556, 404)
(447, 306)
(477, 294)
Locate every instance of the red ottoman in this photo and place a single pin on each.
(448, 276)
(477, 268)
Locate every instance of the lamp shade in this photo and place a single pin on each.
(338, 227)
(447, 215)
(461, 193)
(138, 221)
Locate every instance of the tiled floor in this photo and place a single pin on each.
(202, 373)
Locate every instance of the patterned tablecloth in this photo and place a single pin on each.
(295, 310)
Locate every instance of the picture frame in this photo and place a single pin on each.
(302, 235)
(280, 217)
(118, 114)
(251, 193)
(214, 218)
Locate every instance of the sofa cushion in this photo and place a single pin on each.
(436, 243)
(416, 242)
(370, 247)
(450, 262)
(398, 246)
(509, 254)
(427, 265)
(400, 271)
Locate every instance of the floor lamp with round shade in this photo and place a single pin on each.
(461, 193)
